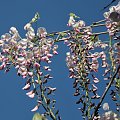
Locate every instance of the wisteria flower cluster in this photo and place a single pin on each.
(87, 54)
(83, 58)
(27, 55)
(113, 13)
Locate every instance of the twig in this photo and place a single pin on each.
(105, 92)
(45, 106)
(95, 24)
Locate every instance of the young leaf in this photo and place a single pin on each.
(38, 116)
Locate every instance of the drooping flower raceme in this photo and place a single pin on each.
(32, 55)
(27, 55)
(87, 51)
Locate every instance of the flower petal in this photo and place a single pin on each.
(27, 86)
(35, 108)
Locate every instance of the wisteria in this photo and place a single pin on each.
(31, 57)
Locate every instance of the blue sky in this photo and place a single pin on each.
(14, 104)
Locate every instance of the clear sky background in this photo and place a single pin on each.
(14, 104)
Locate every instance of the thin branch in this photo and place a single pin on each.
(45, 106)
(105, 92)
(95, 24)
(109, 4)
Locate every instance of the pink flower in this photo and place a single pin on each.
(105, 106)
(35, 108)
(108, 24)
(78, 25)
(27, 26)
(94, 67)
(96, 80)
(104, 64)
(24, 73)
(20, 59)
(49, 55)
(47, 68)
(30, 92)
(40, 73)
(37, 81)
(72, 75)
(44, 58)
(26, 87)
(41, 32)
(49, 61)
(55, 52)
(30, 74)
(52, 89)
(37, 65)
(13, 30)
(2, 66)
(31, 95)
(94, 87)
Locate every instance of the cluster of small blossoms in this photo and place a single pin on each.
(76, 25)
(113, 19)
(113, 13)
(80, 49)
(113, 27)
(95, 64)
(82, 62)
(108, 115)
(27, 55)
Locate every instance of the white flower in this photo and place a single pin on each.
(13, 30)
(50, 41)
(31, 95)
(1, 42)
(105, 106)
(27, 26)
(41, 32)
(30, 92)
(30, 34)
(47, 68)
(106, 14)
(23, 41)
(107, 114)
(52, 89)
(71, 21)
(30, 74)
(49, 55)
(55, 47)
(79, 24)
(20, 59)
(23, 69)
(113, 13)
(27, 86)
(35, 108)
(68, 54)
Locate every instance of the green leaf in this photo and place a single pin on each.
(75, 16)
(38, 116)
(118, 83)
(94, 38)
(36, 17)
(62, 34)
